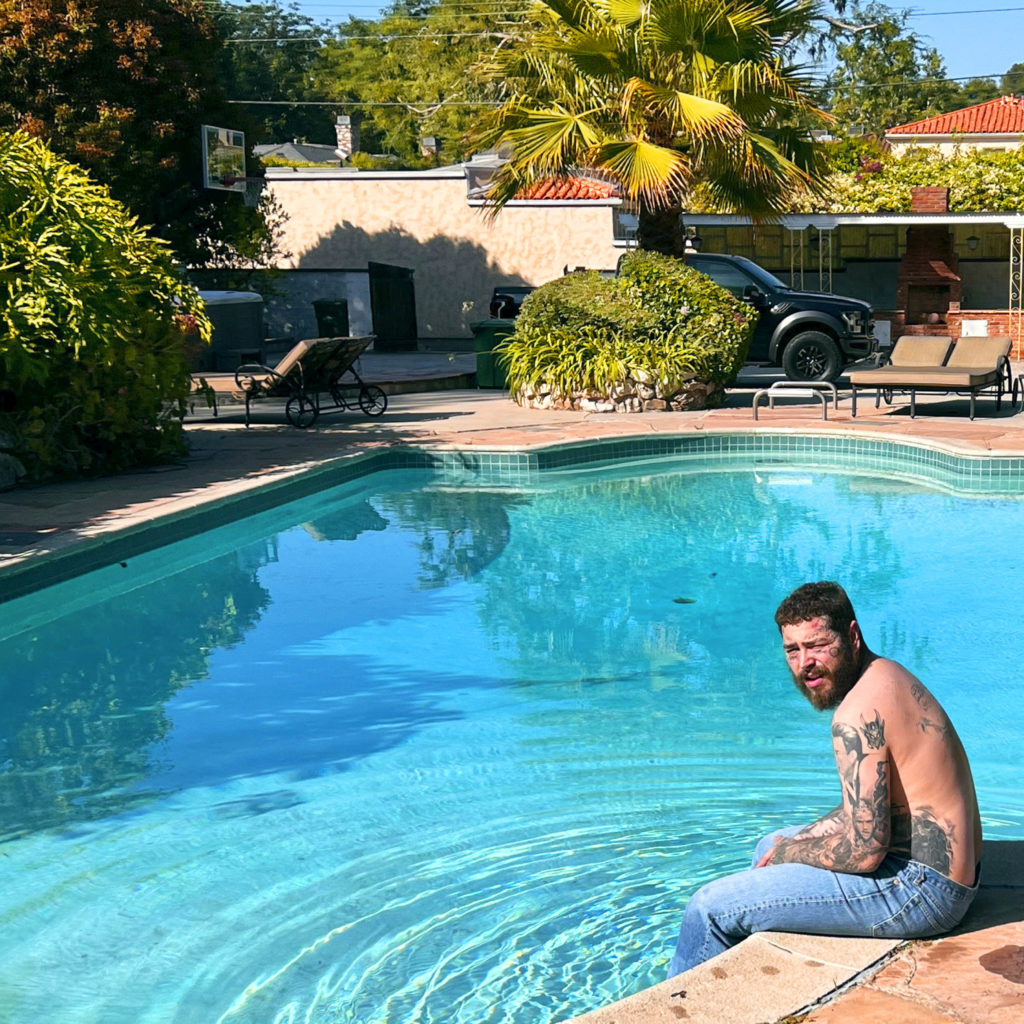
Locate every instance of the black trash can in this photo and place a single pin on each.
(331, 317)
(486, 335)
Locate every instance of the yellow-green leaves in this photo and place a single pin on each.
(90, 345)
(662, 95)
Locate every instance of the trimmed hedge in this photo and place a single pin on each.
(93, 318)
(657, 322)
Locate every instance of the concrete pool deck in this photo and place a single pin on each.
(974, 975)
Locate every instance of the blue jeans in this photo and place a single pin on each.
(901, 899)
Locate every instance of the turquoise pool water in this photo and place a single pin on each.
(417, 752)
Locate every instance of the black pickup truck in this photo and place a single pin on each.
(811, 335)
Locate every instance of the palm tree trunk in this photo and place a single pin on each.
(661, 230)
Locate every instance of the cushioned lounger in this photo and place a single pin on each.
(308, 368)
(975, 365)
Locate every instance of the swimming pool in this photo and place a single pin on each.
(418, 749)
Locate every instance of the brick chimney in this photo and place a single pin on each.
(928, 283)
(929, 199)
(348, 136)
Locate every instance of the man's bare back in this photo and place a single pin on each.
(932, 806)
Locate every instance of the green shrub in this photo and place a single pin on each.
(93, 319)
(979, 181)
(657, 321)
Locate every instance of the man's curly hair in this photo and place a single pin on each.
(825, 600)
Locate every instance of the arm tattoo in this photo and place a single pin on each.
(864, 820)
(874, 732)
(918, 692)
(826, 825)
(924, 701)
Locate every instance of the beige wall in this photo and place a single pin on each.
(342, 220)
(947, 146)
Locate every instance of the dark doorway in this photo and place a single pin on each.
(393, 307)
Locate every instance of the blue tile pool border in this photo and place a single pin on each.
(982, 474)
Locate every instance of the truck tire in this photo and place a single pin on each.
(812, 355)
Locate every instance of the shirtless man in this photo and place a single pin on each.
(899, 857)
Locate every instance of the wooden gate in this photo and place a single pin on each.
(393, 307)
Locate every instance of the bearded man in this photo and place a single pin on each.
(899, 857)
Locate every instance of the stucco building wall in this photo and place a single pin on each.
(342, 220)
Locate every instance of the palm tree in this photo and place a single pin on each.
(669, 98)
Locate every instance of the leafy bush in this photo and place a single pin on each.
(93, 318)
(978, 182)
(657, 321)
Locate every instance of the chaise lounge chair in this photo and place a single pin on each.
(311, 369)
(974, 365)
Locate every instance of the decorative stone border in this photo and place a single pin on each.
(629, 396)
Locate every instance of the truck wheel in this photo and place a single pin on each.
(812, 355)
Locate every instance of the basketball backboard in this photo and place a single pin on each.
(223, 159)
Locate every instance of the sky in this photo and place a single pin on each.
(977, 38)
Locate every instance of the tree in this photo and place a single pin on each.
(121, 87)
(1013, 80)
(407, 76)
(973, 92)
(663, 96)
(93, 313)
(270, 54)
(885, 75)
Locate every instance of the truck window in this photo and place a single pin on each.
(727, 276)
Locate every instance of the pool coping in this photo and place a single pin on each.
(774, 976)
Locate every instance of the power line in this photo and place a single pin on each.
(367, 103)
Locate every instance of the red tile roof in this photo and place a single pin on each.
(1005, 114)
(570, 188)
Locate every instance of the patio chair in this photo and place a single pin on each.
(309, 370)
(975, 365)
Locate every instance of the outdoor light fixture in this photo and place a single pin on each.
(972, 242)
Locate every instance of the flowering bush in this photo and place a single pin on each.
(93, 315)
(978, 182)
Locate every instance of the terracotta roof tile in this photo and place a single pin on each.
(570, 188)
(1005, 114)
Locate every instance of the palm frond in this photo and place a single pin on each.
(655, 174)
(682, 112)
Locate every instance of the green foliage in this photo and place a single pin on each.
(269, 54)
(407, 75)
(663, 97)
(852, 154)
(121, 88)
(978, 182)
(280, 161)
(869, 85)
(658, 322)
(93, 315)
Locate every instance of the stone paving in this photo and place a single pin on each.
(974, 975)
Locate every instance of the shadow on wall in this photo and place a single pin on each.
(453, 279)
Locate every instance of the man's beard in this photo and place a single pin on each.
(838, 682)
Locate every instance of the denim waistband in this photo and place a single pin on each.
(913, 872)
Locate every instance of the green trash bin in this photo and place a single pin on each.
(487, 334)
(331, 317)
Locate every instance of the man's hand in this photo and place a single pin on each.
(767, 858)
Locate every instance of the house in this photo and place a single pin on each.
(296, 152)
(995, 125)
(417, 254)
